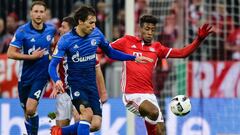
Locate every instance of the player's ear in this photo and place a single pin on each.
(30, 13)
(80, 22)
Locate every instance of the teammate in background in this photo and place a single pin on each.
(137, 86)
(79, 46)
(64, 103)
(31, 44)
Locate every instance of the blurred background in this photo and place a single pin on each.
(210, 76)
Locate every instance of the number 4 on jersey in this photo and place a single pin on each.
(37, 94)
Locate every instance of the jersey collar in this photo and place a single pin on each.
(40, 31)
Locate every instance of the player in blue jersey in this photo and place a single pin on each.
(79, 46)
(64, 108)
(31, 44)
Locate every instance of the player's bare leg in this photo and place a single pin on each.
(31, 107)
(96, 123)
(62, 123)
(31, 116)
(149, 110)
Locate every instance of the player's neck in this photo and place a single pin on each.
(37, 26)
(80, 32)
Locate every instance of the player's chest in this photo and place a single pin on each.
(42, 40)
(141, 50)
(83, 46)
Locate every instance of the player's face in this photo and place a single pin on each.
(37, 14)
(147, 32)
(64, 28)
(87, 26)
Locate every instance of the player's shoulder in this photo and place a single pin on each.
(128, 39)
(131, 38)
(66, 37)
(156, 44)
(97, 32)
(50, 27)
(23, 28)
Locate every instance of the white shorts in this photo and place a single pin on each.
(64, 107)
(133, 101)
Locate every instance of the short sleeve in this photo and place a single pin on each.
(119, 44)
(60, 49)
(17, 40)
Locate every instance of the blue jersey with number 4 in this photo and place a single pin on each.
(28, 39)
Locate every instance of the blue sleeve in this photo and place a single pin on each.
(112, 53)
(60, 49)
(52, 69)
(17, 40)
(83, 128)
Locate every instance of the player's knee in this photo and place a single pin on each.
(153, 115)
(30, 111)
(95, 126)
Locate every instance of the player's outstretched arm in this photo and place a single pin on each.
(118, 55)
(203, 32)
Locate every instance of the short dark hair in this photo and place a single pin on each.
(148, 19)
(70, 21)
(83, 12)
(38, 2)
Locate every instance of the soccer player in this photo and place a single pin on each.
(136, 83)
(31, 44)
(64, 103)
(79, 46)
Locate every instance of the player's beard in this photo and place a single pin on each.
(38, 22)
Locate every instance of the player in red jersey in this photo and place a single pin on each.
(137, 86)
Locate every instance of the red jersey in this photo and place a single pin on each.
(137, 77)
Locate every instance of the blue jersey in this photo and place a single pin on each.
(28, 39)
(80, 54)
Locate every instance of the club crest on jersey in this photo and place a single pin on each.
(152, 49)
(48, 37)
(93, 42)
(137, 54)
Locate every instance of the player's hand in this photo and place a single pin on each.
(59, 86)
(86, 113)
(143, 59)
(54, 93)
(204, 31)
(38, 53)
